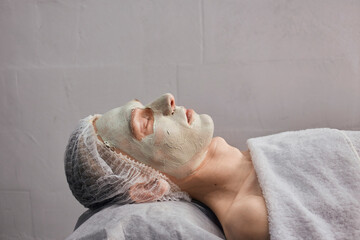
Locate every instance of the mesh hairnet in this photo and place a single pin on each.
(97, 175)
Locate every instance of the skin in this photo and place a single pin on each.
(225, 181)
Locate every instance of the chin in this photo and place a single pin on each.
(208, 124)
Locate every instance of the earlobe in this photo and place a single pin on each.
(149, 192)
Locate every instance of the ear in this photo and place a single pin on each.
(149, 192)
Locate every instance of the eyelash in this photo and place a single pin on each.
(146, 123)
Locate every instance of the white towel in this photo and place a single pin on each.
(311, 183)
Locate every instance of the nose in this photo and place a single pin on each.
(164, 104)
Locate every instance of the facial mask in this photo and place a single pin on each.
(175, 147)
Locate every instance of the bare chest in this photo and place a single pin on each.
(247, 219)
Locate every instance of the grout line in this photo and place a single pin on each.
(17, 85)
(108, 65)
(32, 215)
(177, 83)
(78, 35)
(202, 31)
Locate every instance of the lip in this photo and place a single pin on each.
(189, 116)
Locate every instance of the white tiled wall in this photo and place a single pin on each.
(257, 67)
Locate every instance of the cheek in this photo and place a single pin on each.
(159, 137)
(160, 157)
(171, 138)
(162, 147)
(164, 144)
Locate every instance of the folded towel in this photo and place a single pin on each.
(311, 183)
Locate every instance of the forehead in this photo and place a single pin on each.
(124, 111)
(128, 107)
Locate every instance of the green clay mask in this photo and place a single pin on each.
(177, 144)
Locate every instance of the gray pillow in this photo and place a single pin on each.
(158, 220)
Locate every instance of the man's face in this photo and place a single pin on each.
(169, 138)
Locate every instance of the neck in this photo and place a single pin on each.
(224, 175)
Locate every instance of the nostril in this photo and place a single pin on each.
(172, 102)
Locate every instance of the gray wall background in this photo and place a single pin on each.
(257, 67)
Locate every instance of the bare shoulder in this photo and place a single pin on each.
(247, 219)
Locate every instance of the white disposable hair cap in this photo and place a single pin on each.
(98, 176)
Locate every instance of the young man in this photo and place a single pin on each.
(179, 143)
(310, 179)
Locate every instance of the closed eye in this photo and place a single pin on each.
(146, 121)
(142, 121)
